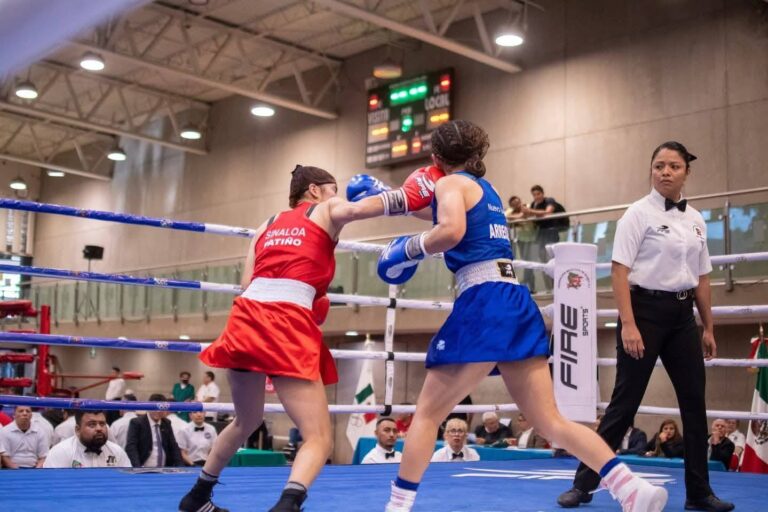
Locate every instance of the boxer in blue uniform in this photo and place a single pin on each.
(494, 324)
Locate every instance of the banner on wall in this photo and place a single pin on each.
(574, 331)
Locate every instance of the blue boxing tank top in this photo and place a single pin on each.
(487, 234)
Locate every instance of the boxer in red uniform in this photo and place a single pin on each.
(273, 330)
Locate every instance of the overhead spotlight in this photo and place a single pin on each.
(262, 111)
(92, 61)
(611, 324)
(189, 132)
(116, 154)
(510, 36)
(18, 184)
(26, 90)
(184, 337)
(388, 70)
(351, 333)
(55, 174)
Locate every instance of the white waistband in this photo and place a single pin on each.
(483, 272)
(264, 289)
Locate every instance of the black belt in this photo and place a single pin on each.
(681, 295)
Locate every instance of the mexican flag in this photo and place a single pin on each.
(363, 425)
(756, 451)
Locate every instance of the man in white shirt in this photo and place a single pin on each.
(65, 429)
(736, 436)
(44, 426)
(116, 387)
(89, 447)
(384, 452)
(455, 449)
(118, 430)
(196, 439)
(177, 424)
(25, 444)
(208, 392)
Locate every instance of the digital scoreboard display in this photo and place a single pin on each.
(402, 115)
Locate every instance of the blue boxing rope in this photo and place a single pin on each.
(126, 218)
(231, 289)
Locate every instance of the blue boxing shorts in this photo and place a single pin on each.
(490, 322)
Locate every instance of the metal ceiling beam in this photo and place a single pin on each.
(54, 167)
(88, 125)
(208, 82)
(422, 35)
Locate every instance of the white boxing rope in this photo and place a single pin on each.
(717, 311)
(673, 411)
(363, 409)
(720, 259)
(722, 363)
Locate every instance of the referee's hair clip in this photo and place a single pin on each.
(297, 168)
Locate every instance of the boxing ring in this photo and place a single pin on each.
(485, 486)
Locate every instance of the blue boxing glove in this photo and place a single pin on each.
(362, 186)
(398, 261)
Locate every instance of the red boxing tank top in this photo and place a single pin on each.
(294, 247)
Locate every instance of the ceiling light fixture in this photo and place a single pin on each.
(189, 132)
(26, 90)
(54, 173)
(18, 184)
(117, 154)
(92, 61)
(262, 111)
(351, 333)
(388, 69)
(513, 32)
(184, 337)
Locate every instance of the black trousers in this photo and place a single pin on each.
(669, 331)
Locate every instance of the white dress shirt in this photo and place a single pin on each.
(151, 461)
(197, 443)
(44, 425)
(118, 430)
(115, 389)
(70, 453)
(665, 250)
(525, 437)
(177, 425)
(63, 430)
(379, 456)
(445, 454)
(208, 391)
(24, 448)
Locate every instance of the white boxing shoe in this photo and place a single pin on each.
(400, 500)
(645, 498)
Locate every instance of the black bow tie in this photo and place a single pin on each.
(680, 205)
(97, 451)
(389, 455)
(199, 429)
(459, 455)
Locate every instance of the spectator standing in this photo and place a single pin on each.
(89, 446)
(24, 442)
(209, 393)
(524, 238)
(196, 439)
(456, 449)
(151, 442)
(548, 231)
(720, 447)
(183, 391)
(384, 452)
(116, 387)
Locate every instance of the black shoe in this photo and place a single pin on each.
(199, 502)
(573, 498)
(711, 504)
(290, 501)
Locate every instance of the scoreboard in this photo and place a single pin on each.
(402, 116)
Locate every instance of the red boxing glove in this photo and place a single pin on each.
(416, 193)
(320, 307)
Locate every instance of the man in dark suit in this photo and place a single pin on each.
(151, 442)
(634, 442)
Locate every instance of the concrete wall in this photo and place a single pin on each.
(604, 82)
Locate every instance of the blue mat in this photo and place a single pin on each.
(508, 486)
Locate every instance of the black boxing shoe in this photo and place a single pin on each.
(573, 498)
(290, 501)
(710, 504)
(198, 499)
